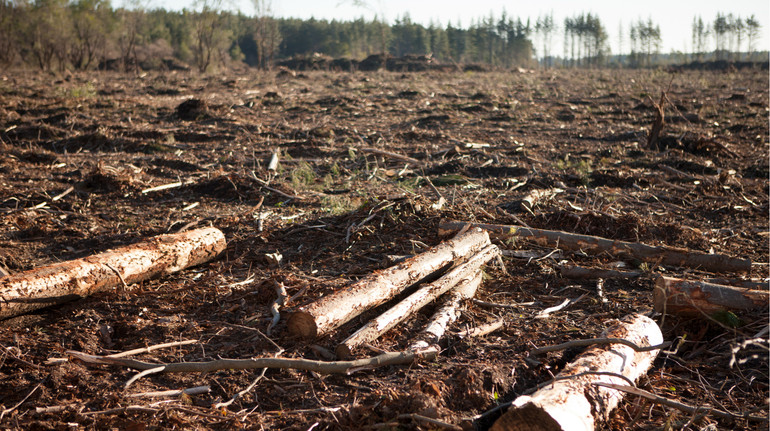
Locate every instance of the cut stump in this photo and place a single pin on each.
(65, 281)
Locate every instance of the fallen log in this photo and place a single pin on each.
(593, 244)
(65, 281)
(446, 315)
(692, 298)
(334, 310)
(581, 272)
(574, 401)
(464, 272)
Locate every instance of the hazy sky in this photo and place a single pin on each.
(674, 16)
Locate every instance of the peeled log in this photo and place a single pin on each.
(65, 281)
(447, 314)
(577, 404)
(332, 311)
(462, 273)
(692, 298)
(594, 244)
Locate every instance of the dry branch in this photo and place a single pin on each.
(684, 407)
(464, 272)
(334, 310)
(447, 314)
(593, 244)
(323, 367)
(54, 284)
(574, 401)
(692, 298)
(392, 155)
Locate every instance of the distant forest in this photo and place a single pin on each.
(91, 34)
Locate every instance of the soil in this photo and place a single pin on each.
(335, 213)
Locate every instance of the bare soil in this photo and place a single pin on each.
(486, 140)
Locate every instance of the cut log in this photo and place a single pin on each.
(753, 283)
(65, 281)
(465, 272)
(593, 244)
(573, 402)
(447, 314)
(581, 272)
(692, 298)
(331, 311)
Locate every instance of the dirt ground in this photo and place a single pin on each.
(484, 141)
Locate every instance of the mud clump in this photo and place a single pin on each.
(193, 110)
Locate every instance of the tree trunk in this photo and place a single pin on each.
(446, 315)
(333, 310)
(593, 244)
(465, 272)
(573, 401)
(65, 281)
(692, 298)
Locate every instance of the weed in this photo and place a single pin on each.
(86, 91)
(337, 204)
(303, 175)
(582, 168)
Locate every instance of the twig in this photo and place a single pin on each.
(121, 410)
(392, 155)
(567, 302)
(436, 422)
(274, 190)
(681, 406)
(120, 276)
(574, 376)
(483, 330)
(174, 393)
(141, 374)
(62, 194)
(9, 410)
(241, 393)
(324, 367)
(162, 187)
(280, 290)
(598, 341)
(150, 348)
(496, 305)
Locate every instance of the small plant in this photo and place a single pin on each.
(86, 91)
(303, 175)
(337, 204)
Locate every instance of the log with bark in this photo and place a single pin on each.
(65, 281)
(593, 244)
(464, 272)
(332, 311)
(692, 298)
(446, 315)
(574, 401)
(581, 272)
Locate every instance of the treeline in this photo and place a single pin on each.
(90, 34)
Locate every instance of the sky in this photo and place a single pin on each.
(674, 16)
